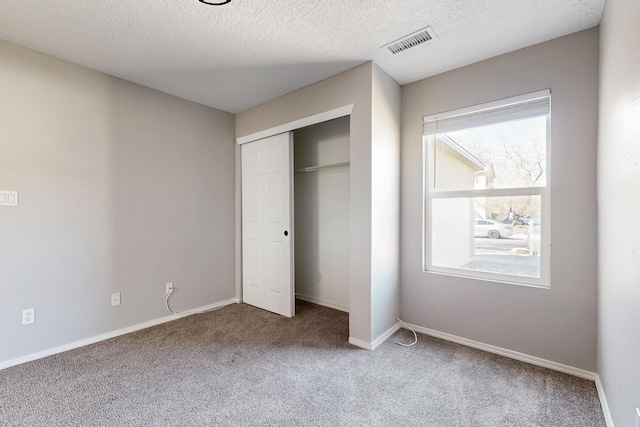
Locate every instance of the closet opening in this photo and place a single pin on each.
(321, 213)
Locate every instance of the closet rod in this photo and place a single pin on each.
(323, 167)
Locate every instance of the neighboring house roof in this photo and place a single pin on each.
(456, 150)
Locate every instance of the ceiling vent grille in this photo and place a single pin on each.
(412, 40)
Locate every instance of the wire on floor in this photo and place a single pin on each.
(415, 336)
(198, 312)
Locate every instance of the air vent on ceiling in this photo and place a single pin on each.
(412, 40)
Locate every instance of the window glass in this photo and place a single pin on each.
(504, 245)
(487, 191)
(502, 155)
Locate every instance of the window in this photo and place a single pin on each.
(487, 190)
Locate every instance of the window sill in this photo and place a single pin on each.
(495, 279)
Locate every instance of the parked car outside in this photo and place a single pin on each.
(527, 219)
(491, 229)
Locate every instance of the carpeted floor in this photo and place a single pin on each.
(241, 366)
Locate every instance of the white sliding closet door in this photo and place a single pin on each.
(267, 239)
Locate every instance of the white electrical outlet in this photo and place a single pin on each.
(8, 198)
(115, 299)
(28, 316)
(169, 288)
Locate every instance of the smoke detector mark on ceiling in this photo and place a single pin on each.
(411, 40)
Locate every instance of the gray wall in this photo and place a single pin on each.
(122, 189)
(618, 209)
(557, 324)
(385, 202)
(357, 86)
(321, 212)
(350, 87)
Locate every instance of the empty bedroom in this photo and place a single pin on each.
(288, 213)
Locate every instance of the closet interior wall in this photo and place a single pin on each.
(321, 213)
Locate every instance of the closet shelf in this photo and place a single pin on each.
(323, 167)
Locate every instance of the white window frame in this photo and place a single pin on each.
(430, 193)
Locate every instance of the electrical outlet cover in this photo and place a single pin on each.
(115, 299)
(28, 316)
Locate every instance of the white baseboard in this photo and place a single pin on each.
(508, 353)
(603, 402)
(376, 343)
(324, 303)
(359, 343)
(113, 334)
(382, 338)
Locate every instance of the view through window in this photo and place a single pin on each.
(487, 190)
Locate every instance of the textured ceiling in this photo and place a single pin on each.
(240, 55)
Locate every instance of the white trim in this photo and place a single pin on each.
(376, 343)
(489, 192)
(238, 223)
(430, 193)
(499, 278)
(361, 344)
(297, 124)
(382, 338)
(588, 375)
(112, 334)
(603, 402)
(324, 303)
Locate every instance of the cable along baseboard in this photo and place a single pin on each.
(323, 167)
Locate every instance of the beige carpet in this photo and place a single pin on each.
(241, 366)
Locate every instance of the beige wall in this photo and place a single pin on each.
(122, 189)
(557, 324)
(618, 209)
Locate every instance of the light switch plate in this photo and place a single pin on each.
(8, 198)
